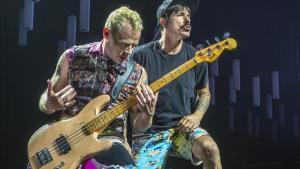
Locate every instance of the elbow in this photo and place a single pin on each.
(208, 94)
(141, 128)
(43, 105)
(43, 108)
(205, 93)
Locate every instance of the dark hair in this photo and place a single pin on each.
(175, 9)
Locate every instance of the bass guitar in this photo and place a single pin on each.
(66, 143)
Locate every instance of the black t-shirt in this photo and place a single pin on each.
(176, 99)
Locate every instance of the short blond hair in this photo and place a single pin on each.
(118, 17)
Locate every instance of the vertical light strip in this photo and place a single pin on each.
(275, 85)
(22, 38)
(269, 106)
(212, 90)
(256, 91)
(232, 92)
(231, 118)
(71, 31)
(214, 68)
(28, 14)
(84, 18)
(236, 74)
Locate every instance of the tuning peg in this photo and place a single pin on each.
(200, 46)
(207, 42)
(217, 39)
(226, 35)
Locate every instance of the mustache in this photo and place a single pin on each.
(188, 24)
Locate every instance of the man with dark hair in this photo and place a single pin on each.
(87, 71)
(175, 128)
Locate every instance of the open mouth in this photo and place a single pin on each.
(186, 28)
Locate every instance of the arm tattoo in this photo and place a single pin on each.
(203, 102)
(145, 81)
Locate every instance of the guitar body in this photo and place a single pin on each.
(89, 145)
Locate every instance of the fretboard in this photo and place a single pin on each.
(108, 116)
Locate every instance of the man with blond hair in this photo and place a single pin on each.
(87, 71)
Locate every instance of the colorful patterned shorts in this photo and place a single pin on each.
(151, 150)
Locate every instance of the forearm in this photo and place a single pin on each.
(142, 113)
(203, 103)
(44, 104)
(49, 102)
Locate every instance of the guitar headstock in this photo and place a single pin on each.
(212, 53)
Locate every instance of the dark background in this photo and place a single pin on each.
(267, 33)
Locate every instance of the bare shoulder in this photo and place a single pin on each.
(60, 76)
(63, 61)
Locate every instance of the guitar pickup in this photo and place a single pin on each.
(43, 157)
(63, 147)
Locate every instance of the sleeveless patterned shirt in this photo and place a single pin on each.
(93, 74)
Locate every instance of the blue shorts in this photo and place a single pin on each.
(150, 150)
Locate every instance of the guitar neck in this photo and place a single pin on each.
(109, 115)
(174, 74)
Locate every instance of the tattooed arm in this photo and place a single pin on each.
(192, 121)
(203, 103)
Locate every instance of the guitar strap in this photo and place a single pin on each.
(121, 79)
